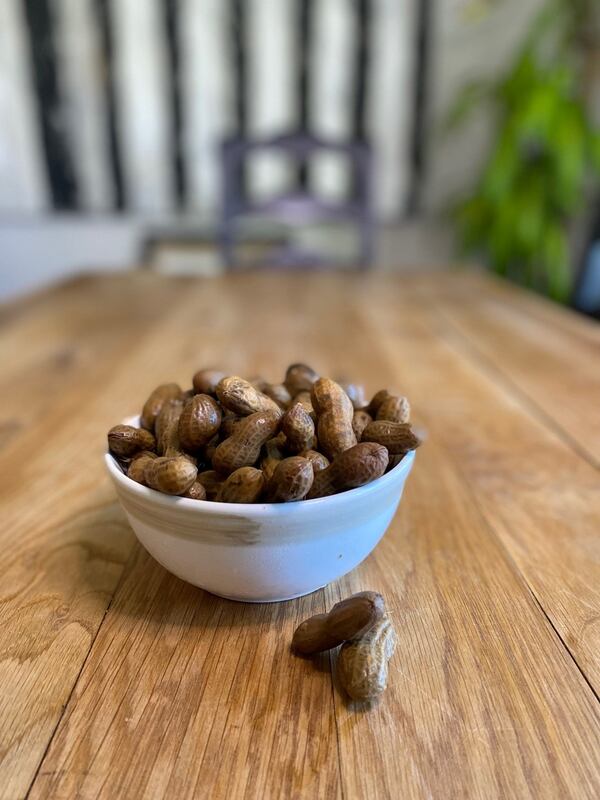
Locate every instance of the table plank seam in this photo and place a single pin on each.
(492, 370)
(59, 720)
(519, 574)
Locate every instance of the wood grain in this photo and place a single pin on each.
(490, 568)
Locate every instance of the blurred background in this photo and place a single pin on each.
(195, 136)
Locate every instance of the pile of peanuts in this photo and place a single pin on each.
(238, 441)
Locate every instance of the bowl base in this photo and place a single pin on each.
(270, 599)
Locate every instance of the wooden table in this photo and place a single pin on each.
(118, 680)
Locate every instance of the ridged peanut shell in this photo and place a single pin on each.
(351, 617)
(211, 481)
(362, 664)
(205, 380)
(199, 421)
(156, 400)
(298, 427)
(125, 441)
(290, 481)
(137, 467)
(361, 464)
(167, 427)
(242, 448)
(241, 397)
(170, 474)
(196, 491)
(318, 460)
(360, 420)
(245, 485)
(299, 378)
(334, 417)
(397, 437)
(394, 409)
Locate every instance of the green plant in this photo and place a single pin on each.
(545, 155)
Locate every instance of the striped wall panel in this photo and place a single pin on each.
(122, 104)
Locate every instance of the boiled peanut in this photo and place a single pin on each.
(242, 448)
(229, 423)
(376, 401)
(299, 429)
(355, 467)
(211, 481)
(199, 421)
(347, 619)
(334, 417)
(278, 393)
(397, 437)
(273, 455)
(167, 428)
(170, 474)
(243, 398)
(360, 420)
(245, 485)
(290, 481)
(137, 467)
(196, 491)
(318, 460)
(205, 380)
(362, 664)
(394, 409)
(304, 399)
(153, 405)
(299, 378)
(125, 441)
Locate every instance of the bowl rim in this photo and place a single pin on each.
(400, 471)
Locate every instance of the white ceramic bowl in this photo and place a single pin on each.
(261, 552)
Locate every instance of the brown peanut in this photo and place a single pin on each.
(318, 460)
(167, 428)
(242, 448)
(347, 619)
(355, 467)
(360, 420)
(230, 422)
(196, 491)
(205, 380)
(170, 474)
(245, 485)
(376, 401)
(153, 405)
(273, 455)
(211, 481)
(243, 398)
(334, 417)
(137, 467)
(394, 409)
(290, 481)
(124, 441)
(299, 429)
(278, 393)
(299, 378)
(362, 664)
(199, 421)
(397, 437)
(304, 399)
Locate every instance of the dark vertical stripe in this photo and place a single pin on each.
(240, 71)
(305, 9)
(171, 17)
(362, 58)
(240, 74)
(112, 123)
(59, 166)
(362, 65)
(421, 73)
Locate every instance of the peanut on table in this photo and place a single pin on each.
(233, 440)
